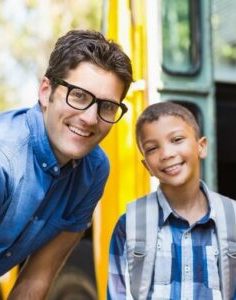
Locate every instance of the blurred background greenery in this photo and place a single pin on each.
(28, 30)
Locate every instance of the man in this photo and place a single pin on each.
(52, 171)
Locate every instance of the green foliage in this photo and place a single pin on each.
(28, 33)
(229, 53)
(176, 34)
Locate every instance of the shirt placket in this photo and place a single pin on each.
(187, 266)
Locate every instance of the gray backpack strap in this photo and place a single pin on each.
(231, 237)
(141, 231)
(226, 232)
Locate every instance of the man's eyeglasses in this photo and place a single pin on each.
(81, 99)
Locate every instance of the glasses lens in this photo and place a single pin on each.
(110, 111)
(79, 99)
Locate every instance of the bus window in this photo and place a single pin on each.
(195, 110)
(180, 35)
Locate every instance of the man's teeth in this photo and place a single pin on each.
(79, 131)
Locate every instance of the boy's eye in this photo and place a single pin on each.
(178, 139)
(150, 149)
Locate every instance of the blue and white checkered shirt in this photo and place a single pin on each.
(186, 265)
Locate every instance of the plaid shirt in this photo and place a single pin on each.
(186, 264)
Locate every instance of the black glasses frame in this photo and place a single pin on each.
(99, 101)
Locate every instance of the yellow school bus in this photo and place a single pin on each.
(85, 274)
(170, 45)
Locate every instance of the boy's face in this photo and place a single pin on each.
(73, 133)
(171, 151)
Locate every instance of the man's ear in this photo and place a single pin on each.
(146, 166)
(44, 92)
(202, 147)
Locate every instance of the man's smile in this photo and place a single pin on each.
(79, 131)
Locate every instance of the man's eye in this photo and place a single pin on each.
(109, 107)
(79, 94)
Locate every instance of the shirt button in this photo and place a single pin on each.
(34, 218)
(8, 254)
(187, 269)
(44, 165)
(56, 169)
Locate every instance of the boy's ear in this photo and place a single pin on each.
(44, 91)
(146, 167)
(202, 147)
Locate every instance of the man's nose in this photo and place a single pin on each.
(90, 115)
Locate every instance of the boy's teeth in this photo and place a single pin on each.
(172, 168)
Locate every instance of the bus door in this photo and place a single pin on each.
(180, 64)
(224, 55)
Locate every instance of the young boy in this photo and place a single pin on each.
(180, 241)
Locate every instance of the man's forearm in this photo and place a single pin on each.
(30, 290)
(40, 270)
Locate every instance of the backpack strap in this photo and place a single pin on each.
(141, 230)
(231, 233)
(226, 231)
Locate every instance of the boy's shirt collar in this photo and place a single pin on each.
(206, 191)
(166, 209)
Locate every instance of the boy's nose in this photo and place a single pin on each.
(90, 115)
(166, 152)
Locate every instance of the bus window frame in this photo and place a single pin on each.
(195, 42)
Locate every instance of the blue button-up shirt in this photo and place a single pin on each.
(38, 199)
(186, 264)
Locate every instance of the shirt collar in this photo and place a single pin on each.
(166, 209)
(206, 191)
(40, 141)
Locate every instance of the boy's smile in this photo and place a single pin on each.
(173, 169)
(171, 151)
